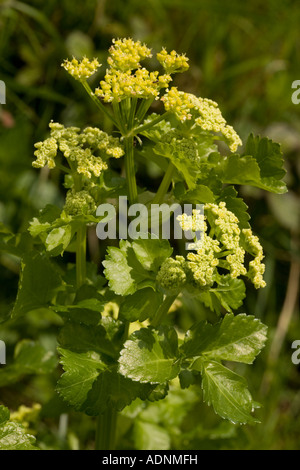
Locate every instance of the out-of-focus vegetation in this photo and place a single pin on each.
(245, 56)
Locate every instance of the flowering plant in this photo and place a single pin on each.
(121, 342)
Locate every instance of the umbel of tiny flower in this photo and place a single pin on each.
(81, 69)
(86, 149)
(204, 113)
(224, 246)
(80, 202)
(127, 78)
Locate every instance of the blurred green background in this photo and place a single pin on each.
(245, 56)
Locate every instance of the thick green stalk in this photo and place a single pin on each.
(130, 170)
(81, 256)
(163, 310)
(106, 430)
(164, 185)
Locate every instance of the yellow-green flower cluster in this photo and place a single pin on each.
(118, 85)
(221, 245)
(126, 54)
(78, 147)
(80, 202)
(173, 62)
(203, 263)
(98, 139)
(45, 153)
(256, 267)
(81, 70)
(228, 233)
(172, 276)
(127, 78)
(204, 112)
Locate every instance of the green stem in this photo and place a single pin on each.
(163, 310)
(98, 102)
(146, 126)
(130, 170)
(143, 108)
(164, 185)
(106, 430)
(81, 256)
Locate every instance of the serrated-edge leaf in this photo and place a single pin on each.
(227, 392)
(150, 356)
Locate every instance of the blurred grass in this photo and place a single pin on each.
(245, 56)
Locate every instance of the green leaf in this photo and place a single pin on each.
(150, 356)
(187, 150)
(228, 294)
(227, 392)
(39, 282)
(113, 389)
(81, 370)
(260, 166)
(87, 311)
(118, 272)
(30, 358)
(141, 305)
(14, 244)
(151, 252)
(270, 160)
(90, 385)
(134, 265)
(200, 195)
(82, 338)
(156, 132)
(236, 338)
(13, 436)
(58, 240)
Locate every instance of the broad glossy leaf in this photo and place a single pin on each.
(58, 240)
(227, 392)
(118, 272)
(141, 305)
(151, 252)
(134, 265)
(81, 371)
(39, 282)
(14, 437)
(228, 294)
(83, 338)
(150, 356)
(270, 160)
(90, 385)
(113, 389)
(236, 338)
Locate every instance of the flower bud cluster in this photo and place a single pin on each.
(86, 149)
(173, 62)
(126, 78)
(204, 112)
(80, 202)
(81, 69)
(224, 246)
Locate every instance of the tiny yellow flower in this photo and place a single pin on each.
(81, 70)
